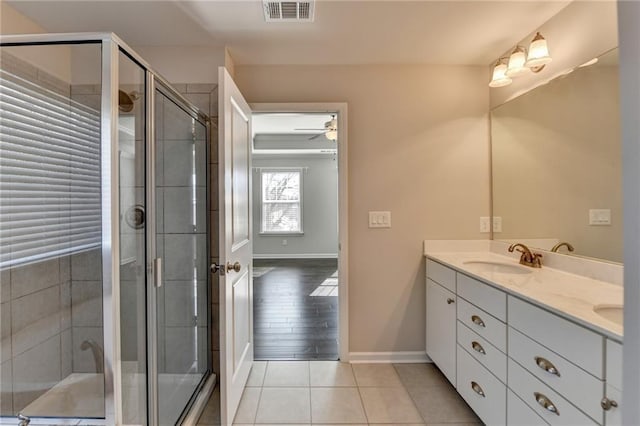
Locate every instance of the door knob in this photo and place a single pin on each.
(234, 267)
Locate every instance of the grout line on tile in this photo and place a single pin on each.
(415, 404)
(366, 416)
(255, 416)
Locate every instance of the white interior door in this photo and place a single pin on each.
(236, 290)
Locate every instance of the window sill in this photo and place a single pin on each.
(275, 234)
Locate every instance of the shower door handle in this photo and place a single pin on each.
(157, 272)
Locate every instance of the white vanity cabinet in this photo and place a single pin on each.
(482, 343)
(564, 356)
(515, 362)
(613, 391)
(441, 318)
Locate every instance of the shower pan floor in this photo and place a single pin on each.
(78, 395)
(81, 396)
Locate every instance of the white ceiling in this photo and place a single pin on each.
(471, 32)
(289, 123)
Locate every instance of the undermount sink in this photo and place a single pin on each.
(499, 267)
(612, 313)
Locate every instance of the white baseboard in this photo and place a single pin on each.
(297, 256)
(407, 357)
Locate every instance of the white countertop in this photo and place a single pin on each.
(568, 295)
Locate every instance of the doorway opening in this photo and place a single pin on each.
(296, 280)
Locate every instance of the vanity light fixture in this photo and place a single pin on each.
(500, 78)
(517, 61)
(538, 53)
(521, 61)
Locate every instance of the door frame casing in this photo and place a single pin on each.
(343, 203)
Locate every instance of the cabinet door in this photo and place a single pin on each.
(613, 416)
(441, 329)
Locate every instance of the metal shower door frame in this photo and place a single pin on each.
(112, 45)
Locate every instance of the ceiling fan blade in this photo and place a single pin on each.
(315, 130)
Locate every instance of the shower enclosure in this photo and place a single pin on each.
(105, 300)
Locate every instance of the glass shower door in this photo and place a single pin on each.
(181, 235)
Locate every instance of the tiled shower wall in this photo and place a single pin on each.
(48, 307)
(36, 331)
(205, 97)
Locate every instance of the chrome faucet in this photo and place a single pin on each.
(564, 243)
(24, 420)
(527, 258)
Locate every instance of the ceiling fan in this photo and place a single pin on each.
(330, 130)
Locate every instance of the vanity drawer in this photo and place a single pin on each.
(444, 276)
(575, 384)
(519, 413)
(483, 351)
(482, 295)
(582, 346)
(535, 394)
(492, 329)
(485, 394)
(614, 364)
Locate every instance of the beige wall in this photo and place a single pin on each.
(557, 154)
(56, 60)
(184, 64)
(419, 147)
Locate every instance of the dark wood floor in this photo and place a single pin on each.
(295, 318)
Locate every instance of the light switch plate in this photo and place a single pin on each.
(380, 219)
(600, 217)
(497, 223)
(485, 224)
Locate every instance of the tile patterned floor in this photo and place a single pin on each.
(334, 393)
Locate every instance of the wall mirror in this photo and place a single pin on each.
(557, 163)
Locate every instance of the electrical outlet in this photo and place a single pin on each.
(497, 224)
(600, 217)
(485, 224)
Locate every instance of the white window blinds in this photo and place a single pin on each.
(281, 201)
(49, 173)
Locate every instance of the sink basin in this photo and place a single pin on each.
(499, 267)
(611, 312)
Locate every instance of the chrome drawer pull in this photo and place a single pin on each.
(546, 403)
(477, 389)
(546, 365)
(477, 320)
(478, 347)
(607, 403)
(450, 301)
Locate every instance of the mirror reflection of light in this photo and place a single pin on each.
(329, 287)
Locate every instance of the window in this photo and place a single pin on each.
(281, 201)
(49, 174)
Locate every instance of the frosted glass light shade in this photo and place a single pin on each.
(516, 62)
(538, 52)
(499, 78)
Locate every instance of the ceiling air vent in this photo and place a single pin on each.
(288, 11)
